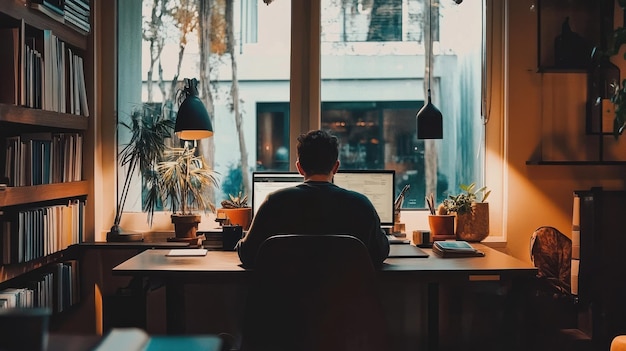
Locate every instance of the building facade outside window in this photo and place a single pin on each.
(372, 83)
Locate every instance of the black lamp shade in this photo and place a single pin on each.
(429, 122)
(192, 120)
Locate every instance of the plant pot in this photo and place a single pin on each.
(186, 226)
(237, 216)
(441, 224)
(473, 226)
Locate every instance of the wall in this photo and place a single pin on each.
(540, 195)
(532, 196)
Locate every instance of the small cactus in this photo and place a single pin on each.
(238, 201)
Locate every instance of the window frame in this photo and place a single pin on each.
(305, 97)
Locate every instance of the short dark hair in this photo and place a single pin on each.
(318, 151)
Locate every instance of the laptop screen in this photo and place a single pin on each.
(377, 185)
(264, 183)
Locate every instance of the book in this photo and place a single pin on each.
(124, 338)
(135, 339)
(71, 6)
(49, 11)
(10, 65)
(458, 248)
(76, 20)
(54, 5)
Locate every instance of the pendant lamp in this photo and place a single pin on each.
(429, 118)
(192, 120)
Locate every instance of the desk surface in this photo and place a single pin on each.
(226, 263)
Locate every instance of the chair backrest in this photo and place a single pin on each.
(314, 292)
(551, 253)
(24, 329)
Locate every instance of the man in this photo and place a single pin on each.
(317, 206)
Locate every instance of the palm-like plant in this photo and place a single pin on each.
(145, 148)
(181, 181)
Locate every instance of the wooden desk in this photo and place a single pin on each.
(224, 266)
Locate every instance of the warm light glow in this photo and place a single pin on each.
(194, 134)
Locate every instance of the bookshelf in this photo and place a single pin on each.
(36, 241)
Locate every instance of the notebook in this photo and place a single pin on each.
(456, 248)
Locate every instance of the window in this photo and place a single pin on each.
(372, 84)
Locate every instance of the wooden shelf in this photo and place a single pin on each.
(30, 116)
(10, 271)
(19, 9)
(12, 196)
(576, 163)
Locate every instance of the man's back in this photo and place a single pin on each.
(316, 208)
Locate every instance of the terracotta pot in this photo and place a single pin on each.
(186, 226)
(473, 226)
(441, 224)
(237, 216)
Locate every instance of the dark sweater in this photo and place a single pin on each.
(315, 208)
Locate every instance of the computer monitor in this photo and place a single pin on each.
(377, 185)
(266, 182)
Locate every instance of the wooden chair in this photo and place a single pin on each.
(314, 292)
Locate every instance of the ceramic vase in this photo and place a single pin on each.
(473, 226)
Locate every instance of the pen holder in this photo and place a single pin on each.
(231, 234)
(441, 224)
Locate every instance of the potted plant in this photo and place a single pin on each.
(148, 134)
(471, 211)
(235, 211)
(181, 182)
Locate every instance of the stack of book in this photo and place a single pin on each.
(51, 8)
(73, 12)
(451, 248)
(213, 240)
(76, 13)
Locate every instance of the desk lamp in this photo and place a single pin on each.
(429, 118)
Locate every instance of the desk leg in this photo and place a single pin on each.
(433, 316)
(175, 307)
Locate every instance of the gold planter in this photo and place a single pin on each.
(473, 226)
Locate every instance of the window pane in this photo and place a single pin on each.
(372, 84)
(373, 72)
(244, 80)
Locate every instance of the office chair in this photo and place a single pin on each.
(314, 292)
